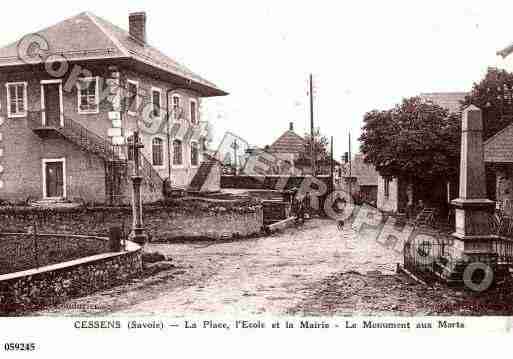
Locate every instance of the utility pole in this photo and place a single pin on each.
(332, 167)
(235, 147)
(312, 140)
(350, 169)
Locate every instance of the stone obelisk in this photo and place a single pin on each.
(474, 231)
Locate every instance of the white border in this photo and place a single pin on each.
(25, 99)
(44, 161)
(96, 95)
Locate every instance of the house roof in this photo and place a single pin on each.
(499, 147)
(288, 142)
(365, 173)
(89, 37)
(448, 100)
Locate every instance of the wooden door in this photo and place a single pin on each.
(54, 174)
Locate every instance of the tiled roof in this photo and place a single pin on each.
(87, 36)
(499, 147)
(288, 142)
(447, 100)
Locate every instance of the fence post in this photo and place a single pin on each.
(36, 254)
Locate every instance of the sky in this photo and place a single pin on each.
(364, 55)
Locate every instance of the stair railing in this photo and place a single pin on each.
(93, 143)
(150, 172)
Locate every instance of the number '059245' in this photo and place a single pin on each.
(20, 347)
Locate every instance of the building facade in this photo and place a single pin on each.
(71, 97)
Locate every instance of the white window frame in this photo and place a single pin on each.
(25, 99)
(43, 104)
(173, 165)
(159, 90)
(96, 95)
(44, 161)
(173, 106)
(195, 102)
(137, 99)
(190, 154)
(163, 152)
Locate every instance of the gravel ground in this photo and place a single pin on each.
(314, 269)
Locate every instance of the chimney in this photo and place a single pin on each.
(291, 126)
(137, 26)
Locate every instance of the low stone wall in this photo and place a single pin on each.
(20, 251)
(50, 285)
(265, 182)
(168, 225)
(163, 222)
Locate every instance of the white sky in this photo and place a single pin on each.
(363, 54)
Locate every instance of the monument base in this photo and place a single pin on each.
(474, 240)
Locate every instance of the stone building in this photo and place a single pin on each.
(71, 97)
(498, 155)
(288, 148)
(363, 179)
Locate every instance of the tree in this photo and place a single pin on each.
(415, 140)
(494, 96)
(320, 147)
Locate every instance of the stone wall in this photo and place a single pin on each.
(173, 220)
(266, 182)
(25, 251)
(54, 284)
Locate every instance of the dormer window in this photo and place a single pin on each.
(88, 95)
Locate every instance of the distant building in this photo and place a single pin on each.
(362, 182)
(498, 155)
(288, 147)
(448, 100)
(394, 194)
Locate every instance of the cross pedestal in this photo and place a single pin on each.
(137, 235)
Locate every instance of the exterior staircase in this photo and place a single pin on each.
(85, 139)
(202, 174)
